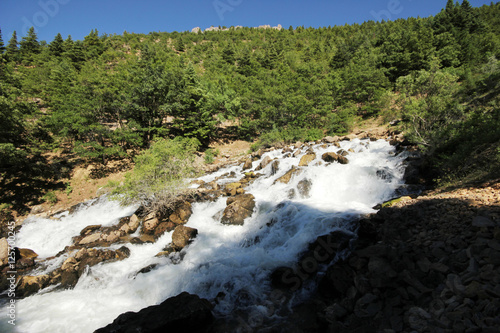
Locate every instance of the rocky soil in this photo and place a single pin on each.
(428, 264)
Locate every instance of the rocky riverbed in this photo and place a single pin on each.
(425, 263)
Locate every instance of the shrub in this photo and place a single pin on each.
(50, 197)
(160, 174)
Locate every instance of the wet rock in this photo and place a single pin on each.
(248, 164)
(27, 254)
(265, 162)
(93, 238)
(238, 209)
(232, 188)
(182, 213)
(90, 229)
(306, 159)
(333, 157)
(164, 227)
(288, 176)
(304, 186)
(275, 167)
(182, 236)
(133, 223)
(29, 285)
(146, 269)
(150, 223)
(182, 313)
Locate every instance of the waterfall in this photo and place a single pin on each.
(235, 260)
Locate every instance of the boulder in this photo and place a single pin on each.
(331, 139)
(182, 213)
(288, 176)
(133, 223)
(306, 159)
(89, 229)
(232, 188)
(238, 209)
(91, 239)
(248, 164)
(264, 163)
(27, 254)
(150, 223)
(182, 313)
(164, 227)
(29, 285)
(182, 236)
(4, 251)
(333, 157)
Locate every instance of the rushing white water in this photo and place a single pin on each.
(233, 259)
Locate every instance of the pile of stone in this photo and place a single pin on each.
(430, 264)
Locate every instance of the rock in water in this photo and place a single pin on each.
(182, 313)
(306, 159)
(238, 209)
(182, 236)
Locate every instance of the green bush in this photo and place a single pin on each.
(50, 197)
(210, 155)
(160, 174)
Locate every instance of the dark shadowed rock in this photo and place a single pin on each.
(238, 209)
(182, 313)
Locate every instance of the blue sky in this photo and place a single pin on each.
(78, 17)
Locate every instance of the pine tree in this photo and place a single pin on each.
(56, 48)
(93, 45)
(2, 46)
(12, 50)
(29, 46)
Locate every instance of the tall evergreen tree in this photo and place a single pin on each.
(93, 45)
(12, 51)
(56, 48)
(29, 46)
(2, 45)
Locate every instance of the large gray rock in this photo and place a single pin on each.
(238, 209)
(182, 313)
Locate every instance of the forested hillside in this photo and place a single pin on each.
(109, 96)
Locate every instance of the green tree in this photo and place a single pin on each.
(429, 105)
(12, 50)
(92, 45)
(2, 45)
(56, 47)
(191, 108)
(29, 46)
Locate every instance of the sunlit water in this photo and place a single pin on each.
(231, 259)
